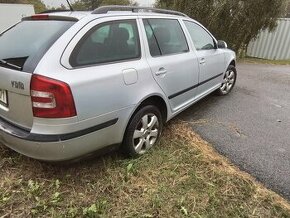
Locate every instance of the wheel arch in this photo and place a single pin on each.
(157, 101)
(154, 99)
(233, 63)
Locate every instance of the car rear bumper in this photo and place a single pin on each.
(28, 136)
(64, 146)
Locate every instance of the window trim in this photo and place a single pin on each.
(206, 30)
(164, 55)
(94, 28)
(154, 38)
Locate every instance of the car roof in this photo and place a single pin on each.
(105, 11)
(82, 14)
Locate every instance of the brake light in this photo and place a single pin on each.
(51, 98)
(40, 17)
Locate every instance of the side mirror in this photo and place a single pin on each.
(222, 44)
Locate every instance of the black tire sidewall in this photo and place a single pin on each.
(127, 145)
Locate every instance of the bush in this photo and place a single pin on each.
(236, 22)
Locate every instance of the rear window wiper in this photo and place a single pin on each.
(7, 64)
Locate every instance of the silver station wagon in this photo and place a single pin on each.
(72, 83)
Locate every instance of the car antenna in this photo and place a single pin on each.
(69, 4)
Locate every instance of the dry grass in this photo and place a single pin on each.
(264, 61)
(183, 176)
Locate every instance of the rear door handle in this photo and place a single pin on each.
(161, 72)
(202, 61)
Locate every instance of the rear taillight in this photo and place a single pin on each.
(51, 98)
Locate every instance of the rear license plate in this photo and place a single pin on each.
(3, 97)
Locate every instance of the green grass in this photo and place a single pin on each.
(182, 177)
(264, 61)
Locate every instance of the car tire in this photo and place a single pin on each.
(143, 131)
(229, 81)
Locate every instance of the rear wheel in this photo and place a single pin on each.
(143, 131)
(229, 81)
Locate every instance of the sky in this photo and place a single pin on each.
(56, 3)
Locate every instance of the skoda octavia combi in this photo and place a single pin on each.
(76, 82)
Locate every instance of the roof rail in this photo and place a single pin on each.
(135, 9)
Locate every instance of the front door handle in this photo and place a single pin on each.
(161, 71)
(202, 61)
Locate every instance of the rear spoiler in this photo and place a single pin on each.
(49, 17)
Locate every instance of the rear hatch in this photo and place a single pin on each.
(21, 48)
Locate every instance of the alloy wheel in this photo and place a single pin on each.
(146, 133)
(228, 82)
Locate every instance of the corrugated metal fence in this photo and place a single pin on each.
(272, 45)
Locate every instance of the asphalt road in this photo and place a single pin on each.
(251, 126)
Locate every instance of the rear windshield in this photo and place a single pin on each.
(24, 44)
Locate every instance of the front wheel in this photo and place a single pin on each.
(143, 131)
(229, 81)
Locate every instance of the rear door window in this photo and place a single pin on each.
(165, 37)
(108, 42)
(24, 44)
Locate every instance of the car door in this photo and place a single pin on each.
(211, 59)
(106, 67)
(174, 66)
